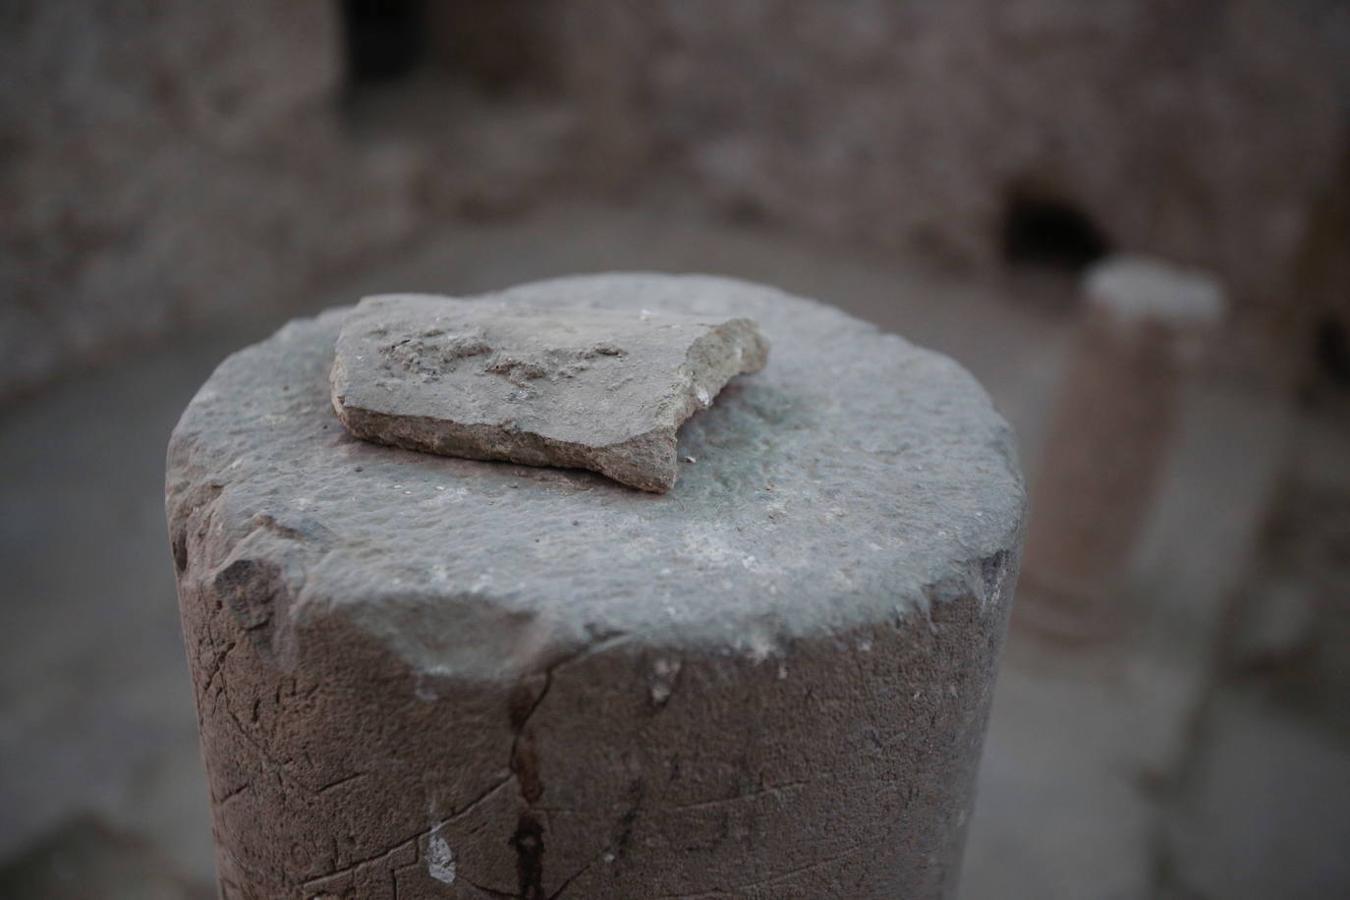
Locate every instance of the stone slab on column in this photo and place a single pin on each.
(591, 389)
(435, 677)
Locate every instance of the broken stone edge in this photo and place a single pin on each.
(648, 461)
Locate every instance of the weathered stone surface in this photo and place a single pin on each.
(589, 388)
(442, 677)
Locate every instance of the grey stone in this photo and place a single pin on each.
(107, 632)
(593, 389)
(425, 675)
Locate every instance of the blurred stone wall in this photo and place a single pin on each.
(1199, 130)
(166, 161)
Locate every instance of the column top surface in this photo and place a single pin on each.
(854, 481)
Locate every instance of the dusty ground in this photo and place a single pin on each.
(1124, 770)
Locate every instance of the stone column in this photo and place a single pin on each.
(1108, 440)
(420, 676)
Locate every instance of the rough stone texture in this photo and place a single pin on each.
(590, 389)
(770, 682)
(1196, 131)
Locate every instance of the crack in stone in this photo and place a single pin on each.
(629, 819)
(577, 874)
(346, 779)
(217, 665)
(528, 839)
(231, 794)
(491, 892)
(352, 867)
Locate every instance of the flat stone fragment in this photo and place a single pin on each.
(594, 389)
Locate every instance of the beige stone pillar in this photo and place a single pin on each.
(1109, 436)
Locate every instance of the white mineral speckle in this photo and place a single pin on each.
(664, 673)
(759, 646)
(440, 859)
(423, 691)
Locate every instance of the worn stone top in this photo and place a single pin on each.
(855, 480)
(1138, 289)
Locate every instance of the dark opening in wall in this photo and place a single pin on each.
(1047, 232)
(1333, 351)
(385, 39)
